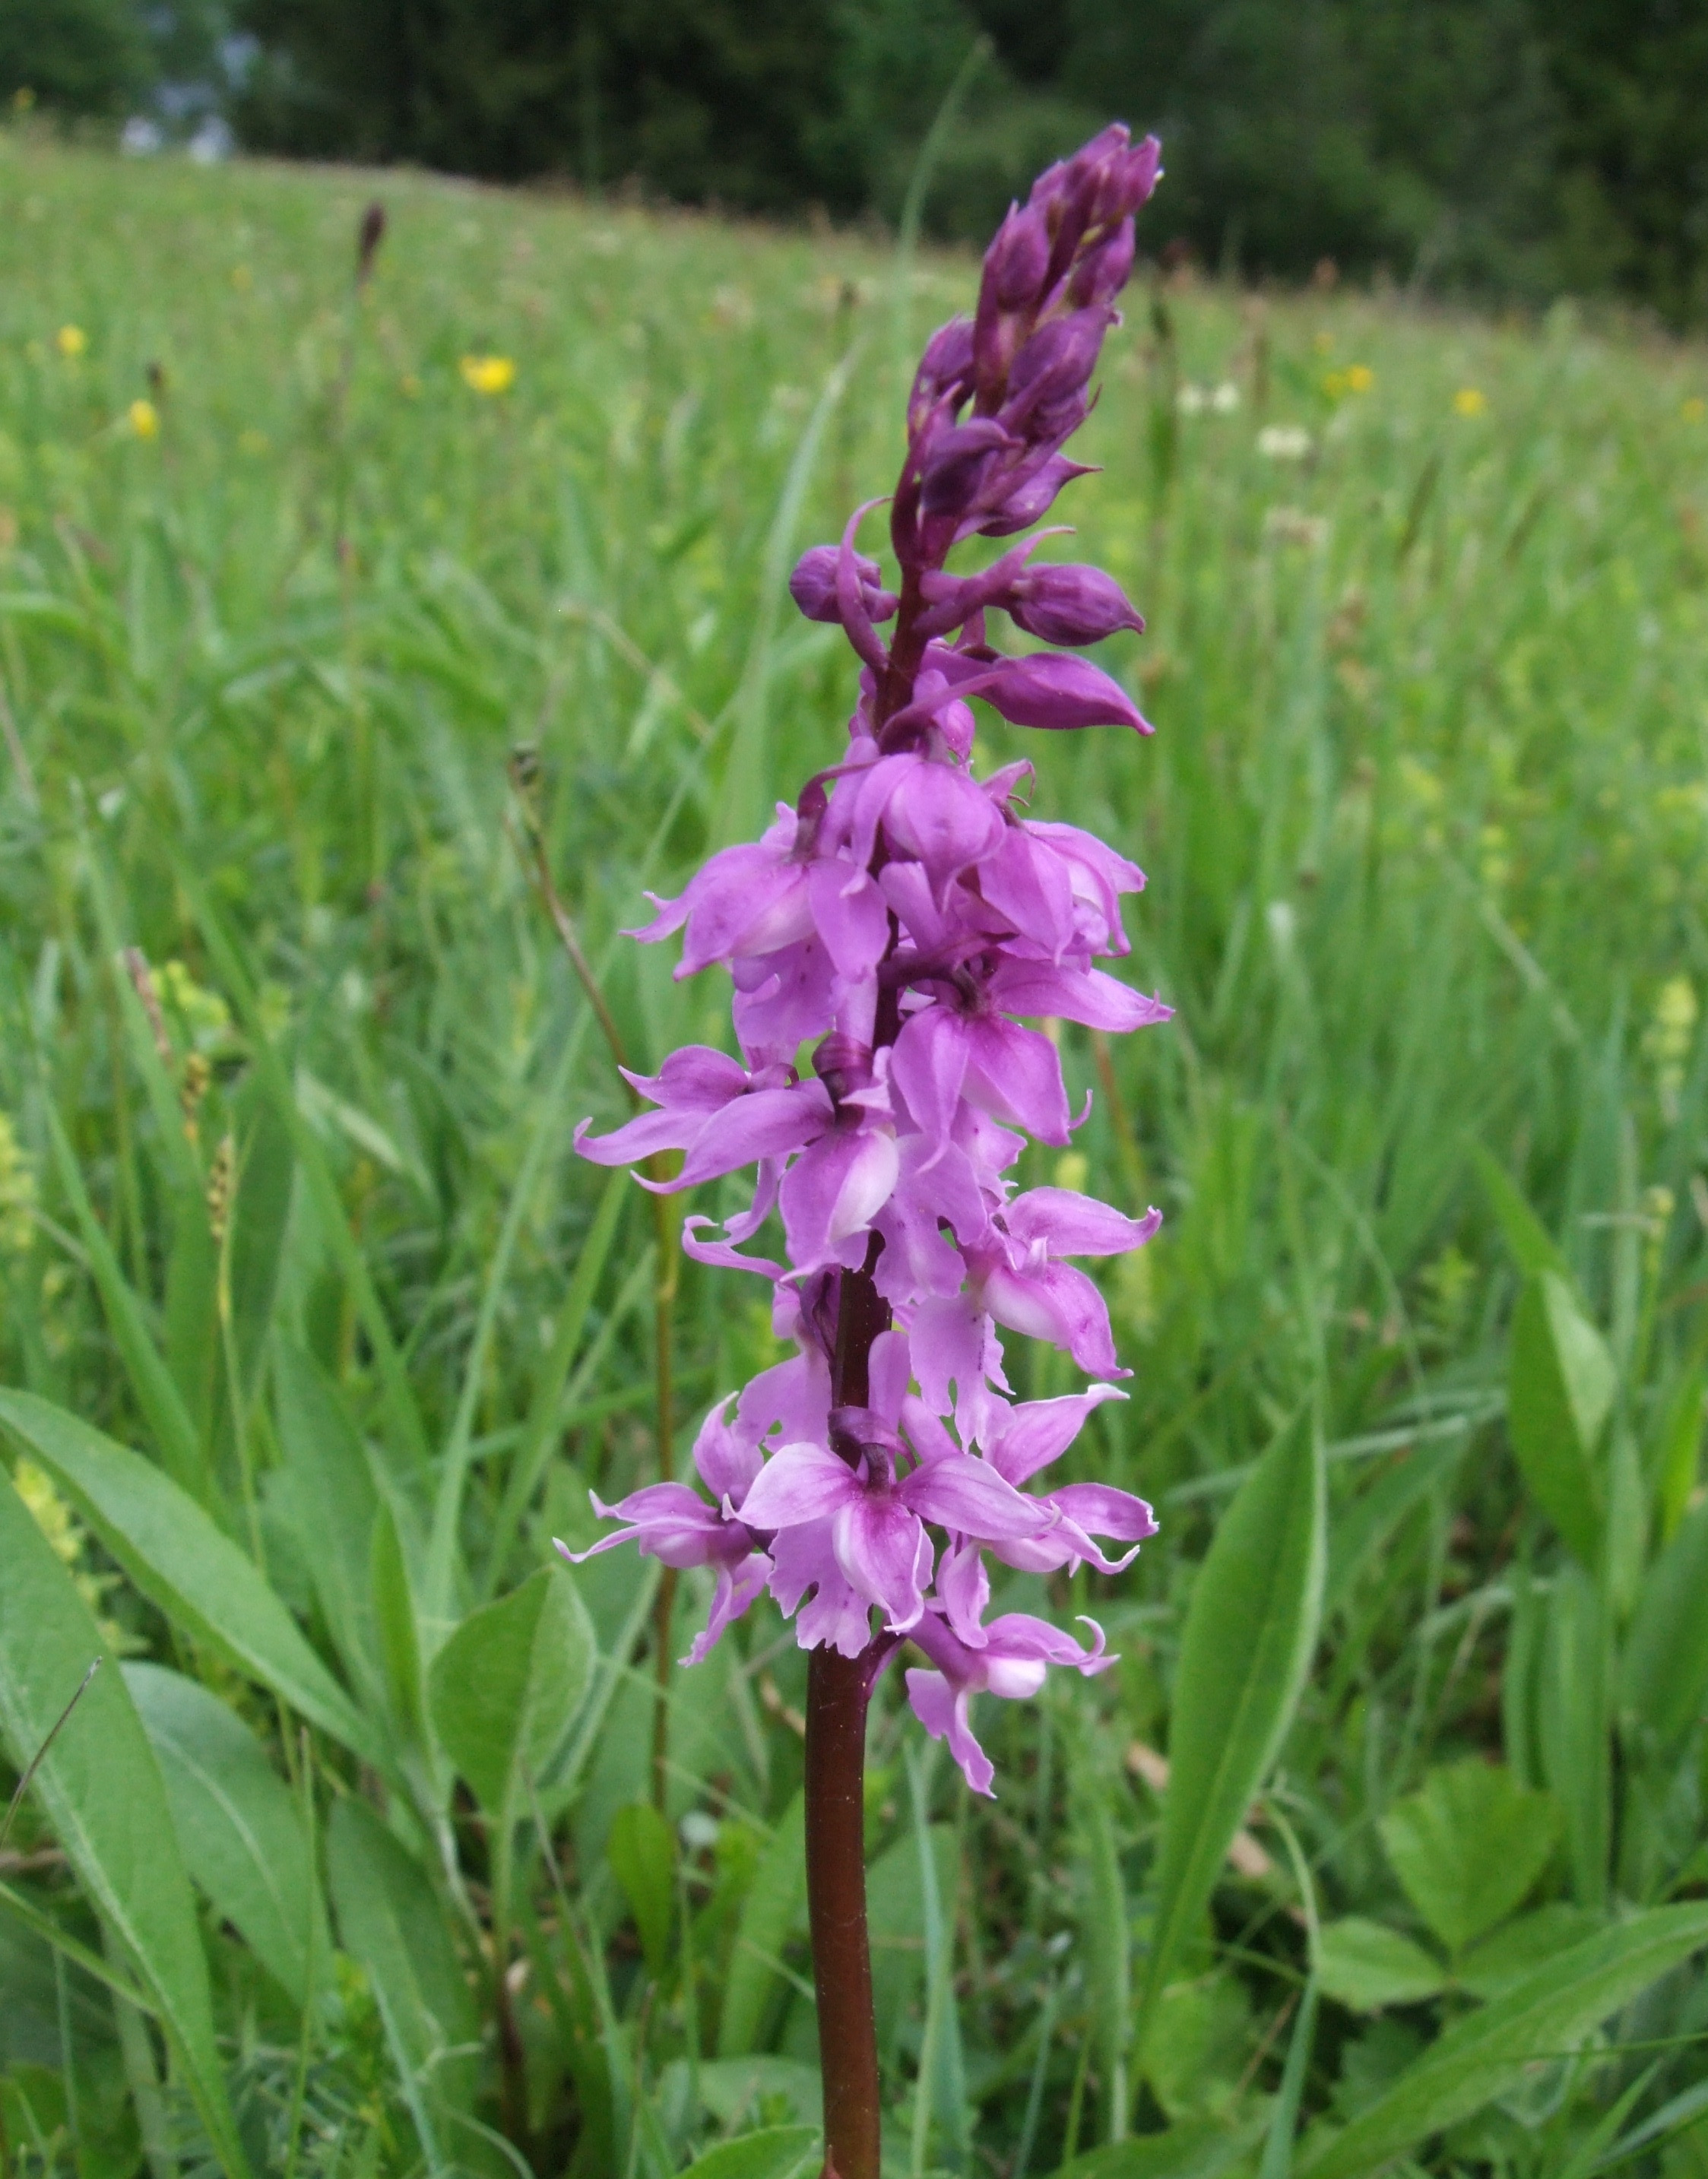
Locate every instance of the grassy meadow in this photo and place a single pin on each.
(315, 1332)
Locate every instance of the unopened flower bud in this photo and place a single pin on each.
(1069, 605)
(1017, 260)
(813, 585)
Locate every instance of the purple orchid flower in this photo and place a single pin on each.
(909, 920)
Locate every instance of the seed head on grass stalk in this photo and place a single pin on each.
(902, 918)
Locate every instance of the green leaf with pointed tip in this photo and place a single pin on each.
(1679, 1452)
(1486, 2054)
(191, 1570)
(641, 1849)
(1365, 1966)
(1560, 1387)
(396, 1624)
(1664, 1673)
(331, 1500)
(505, 1688)
(259, 1209)
(1250, 1633)
(780, 2152)
(1520, 1947)
(1196, 2148)
(156, 1393)
(1534, 1249)
(240, 1830)
(1468, 1845)
(391, 1920)
(99, 1784)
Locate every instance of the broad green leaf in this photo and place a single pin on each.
(259, 1209)
(772, 1909)
(1468, 1846)
(1365, 1966)
(332, 1499)
(1198, 2148)
(1680, 1452)
(1534, 1248)
(641, 1849)
(240, 1830)
(1487, 2053)
(732, 2088)
(391, 1919)
(101, 1788)
(1493, 1968)
(396, 1625)
(1574, 1735)
(1664, 1673)
(780, 2152)
(1247, 1645)
(158, 1395)
(1198, 2046)
(1560, 1390)
(505, 1688)
(183, 1563)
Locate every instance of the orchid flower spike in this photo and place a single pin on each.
(905, 922)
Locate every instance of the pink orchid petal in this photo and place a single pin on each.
(766, 1123)
(1040, 1430)
(942, 1711)
(798, 1482)
(878, 1545)
(969, 1495)
(1103, 1510)
(1070, 1224)
(737, 1587)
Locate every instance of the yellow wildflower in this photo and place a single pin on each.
(144, 419)
(1334, 385)
(1694, 410)
(488, 374)
(1359, 378)
(1469, 401)
(71, 341)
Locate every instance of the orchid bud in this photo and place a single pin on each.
(959, 461)
(813, 585)
(1073, 605)
(1016, 262)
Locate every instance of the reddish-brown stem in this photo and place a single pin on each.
(837, 1690)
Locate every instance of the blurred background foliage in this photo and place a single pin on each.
(1528, 147)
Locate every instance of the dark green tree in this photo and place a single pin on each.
(75, 56)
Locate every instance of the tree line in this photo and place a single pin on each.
(1529, 146)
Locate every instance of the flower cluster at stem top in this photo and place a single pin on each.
(898, 917)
